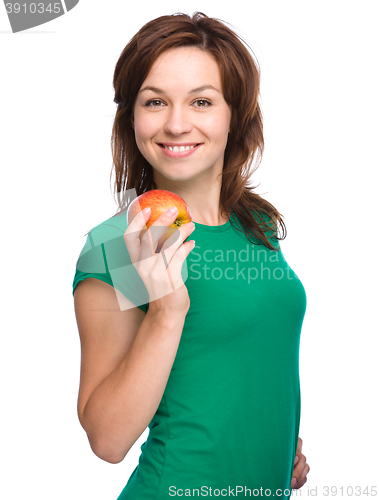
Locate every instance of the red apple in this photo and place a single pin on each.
(159, 200)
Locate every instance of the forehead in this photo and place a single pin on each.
(188, 66)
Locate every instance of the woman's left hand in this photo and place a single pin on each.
(301, 468)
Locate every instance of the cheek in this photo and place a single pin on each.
(143, 126)
(220, 116)
(140, 130)
(219, 128)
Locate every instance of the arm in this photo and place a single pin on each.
(127, 357)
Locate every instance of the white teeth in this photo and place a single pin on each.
(177, 149)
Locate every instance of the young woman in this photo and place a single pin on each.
(212, 368)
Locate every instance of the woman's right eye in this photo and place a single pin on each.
(154, 103)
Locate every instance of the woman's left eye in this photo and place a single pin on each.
(203, 103)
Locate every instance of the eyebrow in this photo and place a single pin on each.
(194, 91)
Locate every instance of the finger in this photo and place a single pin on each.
(298, 472)
(131, 235)
(178, 237)
(301, 484)
(161, 226)
(176, 263)
(299, 446)
(303, 477)
(304, 471)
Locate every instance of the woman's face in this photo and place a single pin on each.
(181, 119)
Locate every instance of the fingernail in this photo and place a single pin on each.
(296, 459)
(293, 482)
(190, 224)
(145, 211)
(171, 211)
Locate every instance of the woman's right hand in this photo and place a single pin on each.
(161, 272)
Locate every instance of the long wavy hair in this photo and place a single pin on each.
(240, 78)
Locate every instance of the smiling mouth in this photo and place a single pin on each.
(179, 149)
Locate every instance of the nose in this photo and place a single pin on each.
(177, 121)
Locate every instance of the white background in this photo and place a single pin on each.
(320, 103)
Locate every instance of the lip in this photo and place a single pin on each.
(179, 154)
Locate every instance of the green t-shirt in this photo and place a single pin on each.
(228, 421)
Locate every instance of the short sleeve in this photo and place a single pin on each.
(106, 258)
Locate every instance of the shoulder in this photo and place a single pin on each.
(105, 256)
(102, 244)
(108, 230)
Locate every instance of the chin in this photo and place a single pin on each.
(174, 172)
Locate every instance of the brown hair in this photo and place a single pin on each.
(240, 78)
